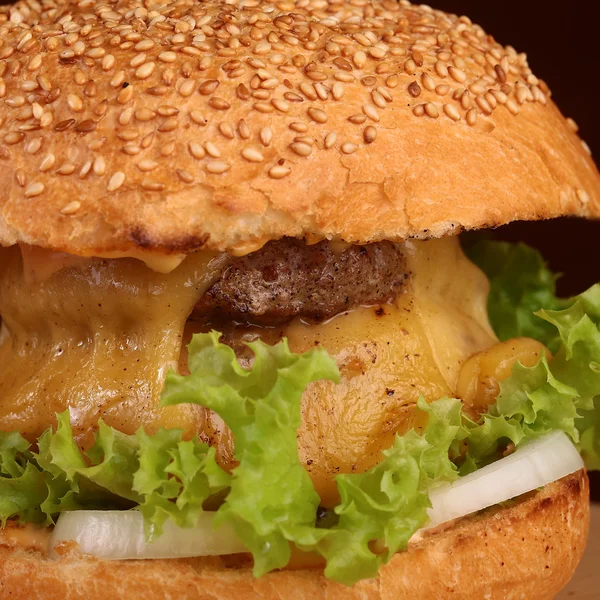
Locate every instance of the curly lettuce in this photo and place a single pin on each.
(520, 284)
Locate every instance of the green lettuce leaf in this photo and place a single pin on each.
(557, 395)
(271, 500)
(520, 284)
(387, 504)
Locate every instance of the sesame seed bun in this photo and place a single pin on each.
(221, 126)
(528, 550)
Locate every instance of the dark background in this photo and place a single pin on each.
(562, 44)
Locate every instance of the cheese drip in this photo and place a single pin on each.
(97, 336)
(388, 357)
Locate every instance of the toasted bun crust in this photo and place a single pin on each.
(528, 550)
(223, 125)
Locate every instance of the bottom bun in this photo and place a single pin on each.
(527, 549)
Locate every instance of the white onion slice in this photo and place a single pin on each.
(118, 535)
(530, 467)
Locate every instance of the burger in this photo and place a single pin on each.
(244, 351)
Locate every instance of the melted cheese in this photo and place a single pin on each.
(99, 335)
(40, 264)
(388, 357)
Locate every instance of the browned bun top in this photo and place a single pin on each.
(225, 124)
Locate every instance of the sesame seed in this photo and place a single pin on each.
(108, 62)
(252, 155)
(99, 166)
(279, 172)
(218, 103)
(477, 88)
(330, 139)
(431, 110)
(452, 112)
(116, 181)
(472, 117)
(378, 99)
(185, 176)
(152, 186)
(414, 89)
(186, 88)
(337, 91)
(212, 150)
(217, 167)
(357, 119)
(360, 59)
(348, 148)
(308, 90)
(34, 189)
(13, 137)
(21, 177)
(226, 130)
(196, 116)
(392, 81)
(317, 115)
(71, 208)
(371, 112)
(484, 105)
(512, 106)
(47, 163)
(75, 103)
(521, 94)
(301, 148)
(144, 114)
(196, 150)
(87, 167)
(500, 74)
(243, 129)
(465, 100)
(369, 134)
(168, 125)
(280, 105)
(441, 69)
(66, 169)
(293, 97)
(147, 165)
(33, 146)
(208, 87)
(572, 125)
(263, 107)
(428, 82)
(322, 91)
(377, 53)
(583, 197)
(266, 135)
(125, 95)
(457, 74)
(145, 70)
(167, 57)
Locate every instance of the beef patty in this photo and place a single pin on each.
(288, 278)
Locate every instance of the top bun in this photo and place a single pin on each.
(224, 124)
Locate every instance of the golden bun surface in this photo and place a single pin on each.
(222, 125)
(529, 549)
